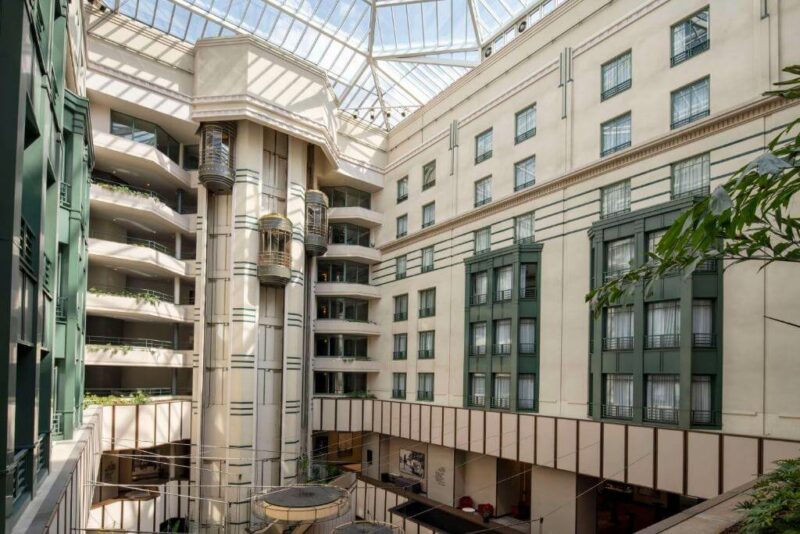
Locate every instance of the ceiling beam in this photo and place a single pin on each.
(434, 61)
(428, 52)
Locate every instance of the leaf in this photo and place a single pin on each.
(720, 201)
(767, 163)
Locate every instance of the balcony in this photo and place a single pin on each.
(477, 350)
(347, 289)
(135, 304)
(704, 341)
(477, 401)
(357, 215)
(132, 351)
(501, 349)
(502, 295)
(142, 159)
(347, 364)
(316, 238)
(478, 299)
(662, 341)
(661, 415)
(691, 49)
(217, 156)
(613, 411)
(501, 403)
(344, 326)
(424, 395)
(618, 343)
(428, 311)
(353, 252)
(148, 257)
(275, 256)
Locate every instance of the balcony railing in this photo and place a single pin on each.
(61, 309)
(41, 453)
(425, 395)
(428, 184)
(702, 191)
(704, 341)
(613, 411)
(65, 194)
(662, 341)
(399, 355)
(481, 202)
(524, 135)
(615, 148)
(401, 233)
(399, 275)
(129, 240)
(477, 350)
(691, 118)
(429, 222)
(661, 415)
(501, 349)
(483, 156)
(501, 403)
(618, 343)
(527, 293)
(476, 400)
(524, 185)
(400, 316)
(425, 354)
(527, 348)
(705, 418)
(428, 311)
(477, 299)
(526, 404)
(617, 89)
(144, 295)
(707, 266)
(426, 267)
(618, 211)
(691, 49)
(402, 197)
(139, 342)
(57, 424)
(502, 294)
(398, 394)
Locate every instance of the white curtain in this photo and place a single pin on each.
(428, 214)
(691, 175)
(427, 298)
(504, 278)
(480, 284)
(653, 239)
(619, 390)
(502, 332)
(617, 132)
(524, 227)
(427, 257)
(502, 386)
(617, 198)
(702, 319)
(400, 342)
(526, 391)
(690, 32)
(525, 172)
(616, 72)
(690, 101)
(482, 240)
(663, 324)
(401, 304)
(426, 340)
(400, 381)
(483, 190)
(663, 391)
(400, 266)
(527, 331)
(478, 385)
(402, 225)
(619, 322)
(425, 382)
(526, 120)
(701, 399)
(479, 335)
(483, 143)
(619, 255)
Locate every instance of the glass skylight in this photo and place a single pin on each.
(384, 58)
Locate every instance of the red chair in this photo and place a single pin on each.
(466, 502)
(485, 510)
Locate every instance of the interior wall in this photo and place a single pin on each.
(553, 497)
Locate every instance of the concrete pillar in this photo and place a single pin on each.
(178, 244)
(552, 501)
(176, 297)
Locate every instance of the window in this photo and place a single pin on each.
(501, 391)
(428, 214)
(619, 257)
(480, 286)
(427, 302)
(339, 346)
(525, 124)
(662, 399)
(527, 281)
(428, 175)
(526, 390)
(703, 323)
(653, 239)
(615, 76)
(691, 176)
(523, 228)
(483, 191)
(619, 328)
(342, 271)
(144, 132)
(691, 103)
(348, 234)
(191, 157)
(400, 347)
(527, 336)
(427, 342)
(401, 307)
(503, 283)
(427, 259)
(342, 309)
(483, 146)
(615, 134)
(402, 189)
(701, 400)
(402, 226)
(502, 337)
(339, 383)
(663, 325)
(477, 339)
(619, 396)
(398, 385)
(400, 267)
(616, 199)
(425, 386)
(477, 389)
(483, 238)
(690, 37)
(524, 173)
(347, 197)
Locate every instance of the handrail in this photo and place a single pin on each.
(130, 342)
(130, 240)
(132, 292)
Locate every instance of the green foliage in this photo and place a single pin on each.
(139, 397)
(774, 504)
(141, 295)
(747, 218)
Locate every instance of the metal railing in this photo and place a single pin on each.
(701, 191)
(139, 342)
(401, 198)
(705, 418)
(615, 148)
(476, 400)
(426, 268)
(501, 403)
(399, 355)
(483, 156)
(502, 294)
(428, 311)
(617, 89)
(65, 194)
(478, 299)
(425, 354)
(610, 275)
(425, 395)
(527, 348)
(707, 266)
(400, 316)
(404, 233)
(501, 349)
(126, 392)
(275, 257)
(61, 309)
(18, 471)
(661, 415)
(704, 341)
(399, 275)
(526, 404)
(27, 245)
(428, 223)
(528, 293)
(524, 185)
(481, 202)
(130, 240)
(613, 411)
(57, 423)
(691, 49)
(131, 292)
(524, 135)
(662, 341)
(691, 118)
(41, 453)
(398, 394)
(477, 350)
(618, 343)
(428, 184)
(619, 211)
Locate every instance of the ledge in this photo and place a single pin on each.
(114, 355)
(340, 326)
(360, 216)
(128, 308)
(343, 289)
(147, 260)
(353, 252)
(146, 210)
(347, 365)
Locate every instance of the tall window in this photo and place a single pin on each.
(427, 302)
(691, 103)
(701, 400)
(483, 191)
(690, 37)
(427, 342)
(347, 197)
(615, 134)
(428, 175)
(691, 176)
(402, 189)
(503, 283)
(527, 336)
(477, 389)
(653, 239)
(428, 214)
(145, 132)
(616, 198)
(523, 228)
(662, 399)
(619, 328)
(619, 256)
(483, 146)
(477, 339)
(483, 238)
(502, 336)
(342, 271)
(348, 234)
(425, 386)
(401, 307)
(400, 347)
(616, 76)
(398, 385)
(524, 173)
(336, 345)
(342, 308)
(480, 286)
(618, 396)
(703, 323)
(427, 259)
(402, 225)
(400, 267)
(527, 281)
(526, 391)
(663, 325)
(501, 391)
(525, 124)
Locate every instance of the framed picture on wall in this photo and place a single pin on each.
(412, 463)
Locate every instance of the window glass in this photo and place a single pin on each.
(402, 188)
(690, 34)
(400, 267)
(524, 173)
(402, 225)
(691, 103)
(428, 175)
(347, 197)
(527, 336)
(482, 240)
(525, 124)
(523, 228)
(619, 391)
(619, 328)
(526, 391)
(691, 176)
(483, 191)
(483, 146)
(663, 324)
(701, 400)
(478, 338)
(427, 259)
(616, 198)
(615, 134)
(616, 75)
(619, 256)
(428, 214)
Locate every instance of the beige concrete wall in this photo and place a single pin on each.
(553, 499)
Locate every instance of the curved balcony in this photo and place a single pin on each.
(216, 171)
(107, 251)
(275, 256)
(116, 152)
(345, 289)
(139, 352)
(111, 201)
(316, 222)
(356, 215)
(135, 304)
(343, 326)
(302, 503)
(347, 364)
(353, 252)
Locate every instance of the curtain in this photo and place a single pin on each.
(401, 304)
(480, 284)
(483, 143)
(524, 227)
(619, 390)
(482, 238)
(400, 342)
(616, 72)
(426, 340)
(526, 120)
(400, 266)
(478, 385)
(502, 333)
(619, 255)
(663, 324)
(525, 172)
(619, 322)
(483, 190)
(691, 175)
(427, 257)
(427, 298)
(502, 386)
(428, 214)
(402, 225)
(402, 187)
(426, 382)
(653, 239)
(702, 320)
(526, 391)
(527, 331)
(616, 198)
(701, 399)
(663, 391)
(479, 335)
(399, 381)
(504, 278)
(690, 101)
(616, 132)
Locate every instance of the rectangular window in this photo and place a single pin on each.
(427, 302)
(703, 323)
(401, 307)
(524, 173)
(653, 239)
(477, 339)
(615, 134)
(616, 76)
(501, 391)
(663, 325)
(618, 396)
(619, 328)
(427, 343)
(524, 228)
(690, 37)
(477, 389)
(691, 176)
(691, 102)
(191, 157)
(398, 385)
(483, 240)
(402, 189)
(662, 399)
(480, 286)
(342, 272)
(483, 191)
(527, 281)
(400, 351)
(145, 132)
(525, 124)
(616, 199)
(402, 226)
(428, 214)
(503, 283)
(483, 146)
(702, 413)
(526, 392)
(527, 336)
(502, 337)
(342, 308)
(427, 259)
(347, 197)
(428, 175)
(400, 268)
(619, 257)
(348, 234)
(425, 386)
(338, 346)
